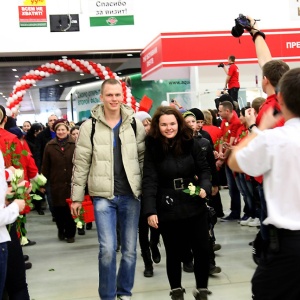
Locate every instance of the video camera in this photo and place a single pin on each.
(241, 23)
(221, 65)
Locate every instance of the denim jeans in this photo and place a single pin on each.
(235, 204)
(3, 266)
(246, 193)
(125, 209)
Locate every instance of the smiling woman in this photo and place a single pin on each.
(173, 161)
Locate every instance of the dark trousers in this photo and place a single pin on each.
(216, 202)
(234, 93)
(179, 234)
(15, 286)
(64, 221)
(144, 234)
(277, 276)
(235, 204)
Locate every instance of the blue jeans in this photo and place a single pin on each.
(235, 204)
(125, 209)
(3, 266)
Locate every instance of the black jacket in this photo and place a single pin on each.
(40, 142)
(209, 154)
(160, 170)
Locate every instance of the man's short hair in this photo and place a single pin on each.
(274, 70)
(109, 81)
(257, 102)
(227, 105)
(289, 87)
(232, 58)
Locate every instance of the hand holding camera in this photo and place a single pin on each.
(221, 65)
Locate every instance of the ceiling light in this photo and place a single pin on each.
(60, 85)
(17, 76)
(97, 77)
(129, 54)
(81, 74)
(119, 73)
(1, 93)
(56, 80)
(78, 81)
(15, 70)
(64, 56)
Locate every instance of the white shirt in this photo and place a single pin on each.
(275, 154)
(7, 214)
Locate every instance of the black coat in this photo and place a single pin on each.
(40, 143)
(159, 195)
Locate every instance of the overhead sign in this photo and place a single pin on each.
(111, 13)
(33, 13)
(170, 53)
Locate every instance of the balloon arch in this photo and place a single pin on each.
(63, 65)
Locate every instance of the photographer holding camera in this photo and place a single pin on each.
(232, 78)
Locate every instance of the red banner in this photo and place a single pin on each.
(209, 48)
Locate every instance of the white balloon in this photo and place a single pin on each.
(105, 73)
(73, 66)
(62, 69)
(23, 92)
(14, 96)
(32, 81)
(164, 103)
(23, 82)
(69, 62)
(106, 77)
(47, 74)
(86, 64)
(31, 72)
(57, 68)
(19, 94)
(65, 61)
(37, 72)
(128, 100)
(42, 73)
(77, 69)
(47, 65)
(28, 81)
(14, 110)
(52, 66)
(89, 67)
(10, 100)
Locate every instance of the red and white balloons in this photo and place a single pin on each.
(64, 65)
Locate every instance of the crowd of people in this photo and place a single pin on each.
(157, 178)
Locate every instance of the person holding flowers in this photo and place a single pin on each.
(57, 167)
(8, 214)
(173, 161)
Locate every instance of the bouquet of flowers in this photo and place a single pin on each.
(20, 189)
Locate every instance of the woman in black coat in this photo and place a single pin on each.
(173, 159)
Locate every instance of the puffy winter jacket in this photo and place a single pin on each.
(93, 165)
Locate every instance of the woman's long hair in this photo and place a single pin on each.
(185, 133)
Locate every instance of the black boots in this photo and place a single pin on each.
(155, 252)
(177, 294)
(200, 294)
(148, 272)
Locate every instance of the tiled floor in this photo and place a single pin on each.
(64, 271)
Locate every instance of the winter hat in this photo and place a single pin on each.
(142, 115)
(188, 114)
(198, 113)
(17, 131)
(60, 122)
